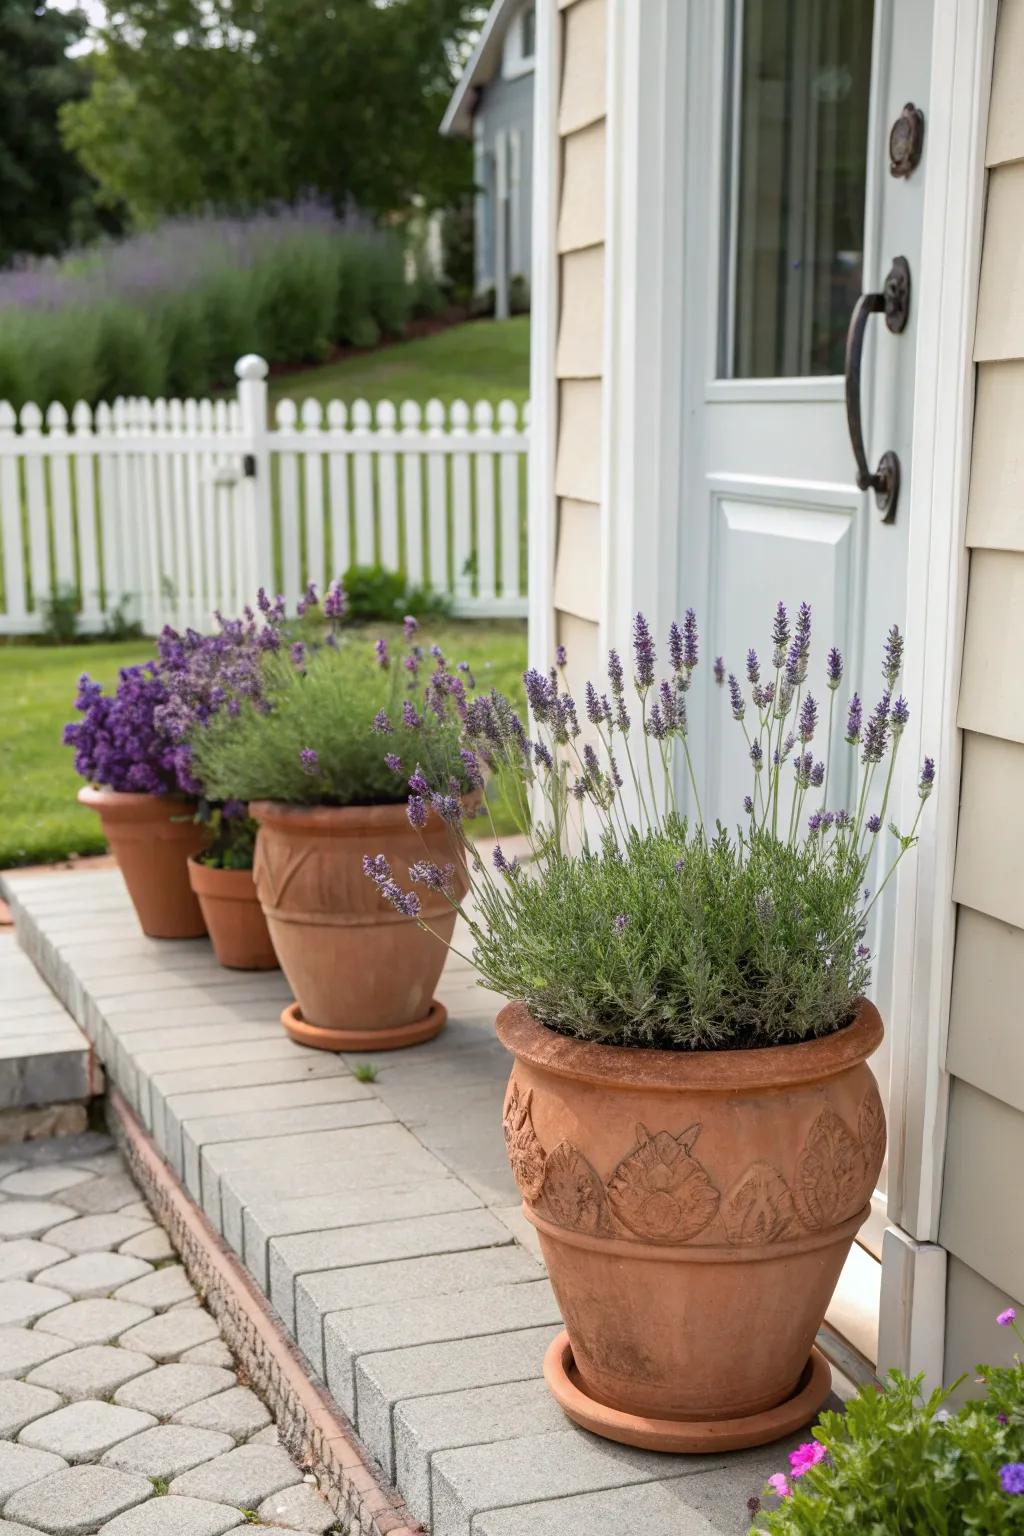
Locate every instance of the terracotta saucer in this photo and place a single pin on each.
(679, 1435)
(302, 1033)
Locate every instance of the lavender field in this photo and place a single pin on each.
(167, 312)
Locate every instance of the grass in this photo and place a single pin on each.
(39, 819)
(480, 360)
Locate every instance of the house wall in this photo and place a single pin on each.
(506, 109)
(579, 238)
(980, 1224)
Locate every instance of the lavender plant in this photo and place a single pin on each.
(634, 924)
(326, 719)
(119, 742)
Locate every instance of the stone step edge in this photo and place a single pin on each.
(310, 1424)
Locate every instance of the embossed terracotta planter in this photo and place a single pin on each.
(695, 1211)
(152, 838)
(363, 975)
(234, 918)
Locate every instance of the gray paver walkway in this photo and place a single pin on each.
(73, 1462)
(383, 1224)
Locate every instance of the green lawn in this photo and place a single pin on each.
(480, 360)
(39, 818)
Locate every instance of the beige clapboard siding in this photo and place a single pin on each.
(986, 1039)
(972, 1338)
(578, 560)
(584, 66)
(579, 637)
(989, 872)
(578, 462)
(1000, 332)
(980, 1192)
(995, 513)
(992, 681)
(581, 207)
(581, 322)
(1006, 110)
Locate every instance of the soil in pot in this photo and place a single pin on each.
(695, 1211)
(152, 838)
(363, 975)
(234, 918)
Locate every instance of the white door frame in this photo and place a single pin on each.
(645, 358)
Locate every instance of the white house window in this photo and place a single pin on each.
(520, 44)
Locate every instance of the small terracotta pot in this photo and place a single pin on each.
(363, 975)
(695, 1211)
(152, 838)
(234, 918)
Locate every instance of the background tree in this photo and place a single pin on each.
(44, 192)
(238, 102)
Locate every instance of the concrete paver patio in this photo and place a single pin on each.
(380, 1219)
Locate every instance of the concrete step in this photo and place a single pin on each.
(48, 1071)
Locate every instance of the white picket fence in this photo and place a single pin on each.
(179, 507)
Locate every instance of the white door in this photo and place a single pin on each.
(792, 212)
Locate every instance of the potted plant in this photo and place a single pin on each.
(321, 758)
(135, 785)
(690, 1116)
(202, 675)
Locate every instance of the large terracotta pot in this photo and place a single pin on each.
(152, 838)
(363, 975)
(695, 1211)
(234, 918)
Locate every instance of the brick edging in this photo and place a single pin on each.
(310, 1424)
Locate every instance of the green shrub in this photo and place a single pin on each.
(60, 616)
(519, 295)
(390, 294)
(378, 595)
(897, 1463)
(355, 323)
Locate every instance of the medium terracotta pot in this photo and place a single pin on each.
(695, 1211)
(363, 975)
(152, 838)
(234, 918)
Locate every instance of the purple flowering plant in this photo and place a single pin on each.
(310, 712)
(120, 743)
(903, 1460)
(637, 923)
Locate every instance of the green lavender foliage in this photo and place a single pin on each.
(707, 958)
(326, 705)
(900, 1465)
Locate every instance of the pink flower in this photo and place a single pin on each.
(778, 1484)
(1007, 1319)
(806, 1456)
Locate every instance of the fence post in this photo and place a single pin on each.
(251, 372)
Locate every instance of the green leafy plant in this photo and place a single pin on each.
(899, 1463)
(378, 595)
(639, 925)
(233, 835)
(60, 615)
(118, 625)
(365, 1072)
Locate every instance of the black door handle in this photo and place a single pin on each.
(894, 303)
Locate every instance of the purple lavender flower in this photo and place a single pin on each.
(764, 697)
(834, 668)
(622, 720)
(892, 657)
(691, 650)
(854, 719)
(814, 823)
(615, 674)
(753, 667)
(409, 626)
(426, 872)
(410, 719)
(336, 602)
(448, 807)
(654, 723)
(381, 650)
(817, 775)
(416, 810)
(1011, 1477)
(121, 741)
(263, 601)
(876, 732)
(505, 866)
(748, 804)
(757, 756)
(1008, 1318)
(560, 656)
(780, 636)
(843, 820)
(808, 718)
(800, 648)
(596, 710)
(382, 723)
(718, 669)
(298, 655)
(900, 716)
(620, 923)
(643, 653)
(417, 783)
(671, 703)
(379, 871)
(675, 646)
(874, 824)
(540, 695)
(736, 703)
(471, 769)
(393, 761)
(310, 761)
(926, 782)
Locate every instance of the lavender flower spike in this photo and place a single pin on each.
(560, 656)
(691, 652)
(736, 698)
(381, 649)
(620, 923)
(309, 760)
(381, 723)
(753, 667)
(409, 626)
(854, 719)
(643, 652)
(926, 783)
(780, 636)
(808, 718)
(675, 646)
(504, 865)
(900, 716)
(892, 657)
(834, 668)
(719, 670)
(876, 732)
(416, 810)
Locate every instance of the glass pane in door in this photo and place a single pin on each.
(801, 85)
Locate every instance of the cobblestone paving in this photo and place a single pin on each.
(121, 1411)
